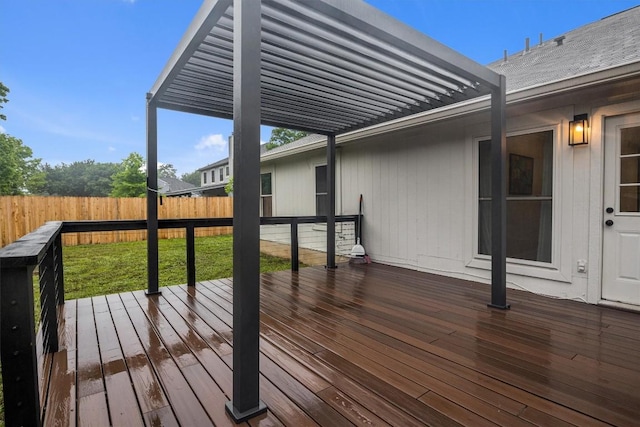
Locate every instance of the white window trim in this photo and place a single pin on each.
(560, 267)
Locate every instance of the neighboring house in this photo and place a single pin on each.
(573, 211)
(173, 187)
(214, 177)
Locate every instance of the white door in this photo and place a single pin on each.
(621, 237)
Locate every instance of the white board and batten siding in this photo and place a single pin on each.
(420, 188)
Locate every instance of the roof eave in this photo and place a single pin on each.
(475, 105)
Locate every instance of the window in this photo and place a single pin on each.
(629, 187)
(221, 174)
(266, 208)
(529, 196)
(213, 176)
(204, 177)
(227, 171)
(321, 191)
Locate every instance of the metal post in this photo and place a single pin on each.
(48, 303)
(331, 201)
(152, 197)
(191, 255)
(294, 245)
(498, 197)
(19, 360)
(245, 401)
(58, 269)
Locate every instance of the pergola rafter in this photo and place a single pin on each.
(326, 66)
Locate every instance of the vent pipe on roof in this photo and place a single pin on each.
(526, 45)
(540, 43)
(559, 40)
(505, 55)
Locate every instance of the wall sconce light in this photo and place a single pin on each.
(579, 130)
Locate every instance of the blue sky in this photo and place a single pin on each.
(78, 70)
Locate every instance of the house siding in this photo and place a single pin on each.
(420, 193)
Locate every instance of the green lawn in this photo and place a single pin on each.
(91, 270)
(118, 267)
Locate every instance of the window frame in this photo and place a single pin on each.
(322, 194)
(559, 269)
(264, 197)
(513, 197)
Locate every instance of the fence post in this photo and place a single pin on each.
(294, 245)
(18, 351)
(191, 255)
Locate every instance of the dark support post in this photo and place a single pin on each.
(48, 303)
(19, 360)
(331, 201)
(58, 270)
(245, 401)
(191, 255)
(152, 197)
(498, 197)
(294, 245)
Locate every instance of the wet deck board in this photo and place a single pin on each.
(362, 345)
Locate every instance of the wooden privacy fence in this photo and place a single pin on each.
(20, 215)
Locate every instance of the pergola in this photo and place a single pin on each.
(325, 66)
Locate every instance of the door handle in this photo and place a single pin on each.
(609, 210)
(608, 223)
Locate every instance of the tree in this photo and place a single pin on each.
(129, 180)
(3, 98)
(166, 170)
(282, 136)
(19, 171)
(83, 178)
(228, 188)
(191, 178)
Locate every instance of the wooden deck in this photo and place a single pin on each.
(364, 345)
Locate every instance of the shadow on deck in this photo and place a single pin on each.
(365, 345)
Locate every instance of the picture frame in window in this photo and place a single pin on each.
(520, 175)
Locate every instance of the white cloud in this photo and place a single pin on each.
(212, 142)
(2, 130)
(135, 118)
(111, 149)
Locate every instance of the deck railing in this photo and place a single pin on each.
(22, 384)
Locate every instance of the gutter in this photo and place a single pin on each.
(608, 75)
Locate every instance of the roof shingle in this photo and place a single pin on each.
(609, 42)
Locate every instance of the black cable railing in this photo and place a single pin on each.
(42, 249)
